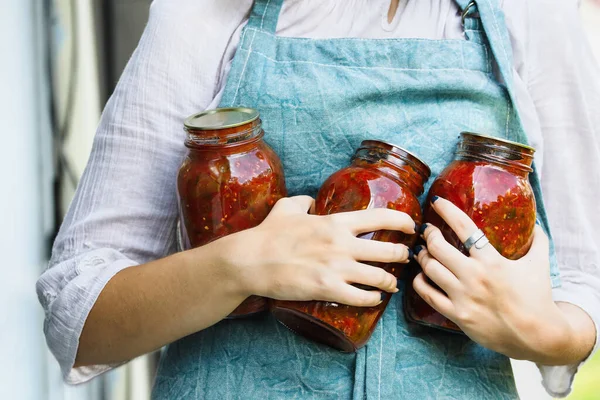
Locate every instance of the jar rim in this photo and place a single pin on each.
(399, 150)
(501, 140)
(245, 116)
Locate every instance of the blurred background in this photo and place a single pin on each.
(61, 61)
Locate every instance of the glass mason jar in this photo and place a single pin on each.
(228, 182)
(381, 175)
(488, 180)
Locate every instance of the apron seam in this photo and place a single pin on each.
(356, 39)
(364, 67)
(244, 68)
(506, 57)
(262, 21)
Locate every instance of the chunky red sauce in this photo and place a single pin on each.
(227, 186)
(497, 196)
(365, 184)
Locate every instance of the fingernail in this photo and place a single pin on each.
(411, 254)
(418, 249)
(383, 296)
(423, 228)
(434, 199)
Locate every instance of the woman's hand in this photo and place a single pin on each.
(293, 255)
(502, 304)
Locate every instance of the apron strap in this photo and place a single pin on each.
(491, 17)
(265, 14)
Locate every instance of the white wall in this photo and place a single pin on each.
(22, 367)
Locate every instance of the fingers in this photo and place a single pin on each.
(353, 296)
(374, 220)
(437, 272)
(461, 224)
(376, 251)
(435, 298)
(443, 251)
(374, 277)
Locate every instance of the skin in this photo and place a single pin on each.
(392, 10)
(290, 256)
(501, 304)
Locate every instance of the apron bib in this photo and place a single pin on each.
(318, 99)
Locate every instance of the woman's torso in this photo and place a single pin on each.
(336, 93)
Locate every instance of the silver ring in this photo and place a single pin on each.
(477, 239)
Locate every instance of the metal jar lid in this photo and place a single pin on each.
(221, 118)
(499, 140)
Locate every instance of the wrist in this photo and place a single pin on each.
(555, 340)
(235, 258)
(583, 331)
(537, 336)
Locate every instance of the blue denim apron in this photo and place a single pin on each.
(318, 100)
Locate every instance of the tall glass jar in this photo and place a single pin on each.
(488, 180)
(228, 182)
(381, 176)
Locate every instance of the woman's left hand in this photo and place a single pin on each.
(502, 304)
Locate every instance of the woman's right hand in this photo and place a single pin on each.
(294, 255)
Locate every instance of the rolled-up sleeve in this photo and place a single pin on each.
(564, 81)
(125, 208)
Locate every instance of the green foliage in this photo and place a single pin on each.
(587, 382)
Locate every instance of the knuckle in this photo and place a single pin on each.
(323, 282)
(381, 213)
(405, 219)
(426, 297)
(368, 299)
(332, 265)
(481, 281)
(384, 279)
(419, 285)
(461, 225)
(398, 252)
(464, 316)
(391, 254)
(435, 242)
(285, 202)
(333, 226)
(325, 230)
(426, 266)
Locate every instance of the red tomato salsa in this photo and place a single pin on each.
(488, 180)
(381, 176)
(228, 182)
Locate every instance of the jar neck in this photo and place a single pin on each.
(394, 162)
(228, 137)
(513, 156)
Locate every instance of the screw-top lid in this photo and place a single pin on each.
(221, 118)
